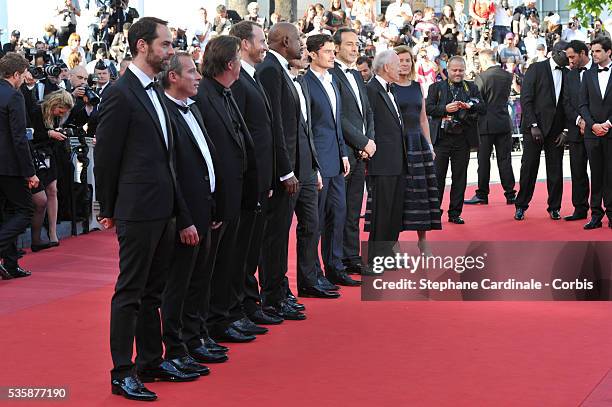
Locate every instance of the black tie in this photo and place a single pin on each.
(606, 69)
(559, 67)
(182, 108)
(151, 85)
(582, 69)
(389, 88)
(349, 70)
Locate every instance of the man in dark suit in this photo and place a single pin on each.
(454, 107)
(579, 61)
(495, 129)
(17, 174)
(358, 129)
(135, 187)
(596, 110)
(197, 182)
(232, 140)
(543, 125)
(257, 113)
(326, 109)
(295, 187)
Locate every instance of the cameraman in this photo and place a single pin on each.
(454, 106)
(121, 13)
(13, 45)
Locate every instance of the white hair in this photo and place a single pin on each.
(381, 59)
(252, 5)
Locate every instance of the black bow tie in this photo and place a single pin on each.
(606, 69)
(559, 67)
(389, 88)
(349, 70)
(584, 68)
(295, 79)
(227, 93)
(151, 85)
(182, 108)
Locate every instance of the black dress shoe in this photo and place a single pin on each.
(510, 200)
(166, 372)
(247, 327)
(54, 244)
(554, 215)
(230, 334)
(519, 214)
(354, 269)
(325, 284)
(285, 311)
(38, 247)
(595, 223)
(475, 200)
(4, 274)
(576, 216)
(19, 272)
(262, 318)
(294, 302)
(202, 354)
(317, 292)
(187, 364)
(457, 220)
(291, 297)
(341, 278)
(132, 388)
(213, 346)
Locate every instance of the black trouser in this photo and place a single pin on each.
(387, 211)
(355, 183)
(453, 148)
(181, 299)
(332, 217)
(503, 153)
(529, 172)
(276, 240)
(14, 190)
(599, 151)
(145, 254)
(580, 178)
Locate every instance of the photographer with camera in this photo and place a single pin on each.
(121, 13)
(66, 14)
(454, 106)
(14, 44)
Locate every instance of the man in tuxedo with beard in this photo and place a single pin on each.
(136, 190)
(579, 61)
(543, 125)
(596, 110)
(257, 113)
(296, 183)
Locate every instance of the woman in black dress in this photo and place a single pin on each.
(421, 203)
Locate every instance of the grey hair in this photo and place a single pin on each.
(174, 65)
(381, 59)
(456, 58)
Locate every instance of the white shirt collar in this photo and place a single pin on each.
(142, 77)
(324, 77)
(283, 61)
(343, 66)
(589, 64)
(609, 65)
(382, 82)
(553, 64)
(250, 69)
(186, 102)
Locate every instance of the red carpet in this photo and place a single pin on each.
(55, 333)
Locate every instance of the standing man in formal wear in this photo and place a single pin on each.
(454, 107)
(325, 106)
(579, 62)
(17, 173)
(296, 169)
(596, 110)
(543, 125)
(135, 187)
(239, 191)
(197, 182)
(257, 113)
(358, 129)
(495, 129)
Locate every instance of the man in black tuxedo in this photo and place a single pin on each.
(495, 129)
(136, 190)
(358, 129)
(17, 174)
(543, 125)
(596, 110)
(295, 188)
(454, 107)
(257, 113)
(579, 62)
(197, 181)
(239, 192)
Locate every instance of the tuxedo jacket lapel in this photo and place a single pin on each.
(143, 98)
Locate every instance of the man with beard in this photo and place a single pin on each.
(136, 192)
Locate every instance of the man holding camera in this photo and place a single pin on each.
(454, 106)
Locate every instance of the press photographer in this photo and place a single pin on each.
(454, 106)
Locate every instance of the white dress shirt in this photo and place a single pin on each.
(557, 75)
(384, 85)
(199, 136)
(250, 69)
(145, 81)
(326, 81)
(352, 81)
(604, 78)
(582, 71)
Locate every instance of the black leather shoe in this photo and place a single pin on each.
(202, 354)
(297, 306)
(213, 346)
(230, 334)
(354, 269)
(457, 220)
(341, 278)
(38, 247)
(317, 292)
(519, 214)
(475, 200)
(325, 284)
(262, 318)
(510, 200)
(187, 364)
(291, 297)
(4, 274)
(166, 372)
(595, 223)
(576, 216)
(19, 272)
(285, 311)
(132, 388)
(554, 215)
(247, 327)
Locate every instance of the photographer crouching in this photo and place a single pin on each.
(454, 106)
